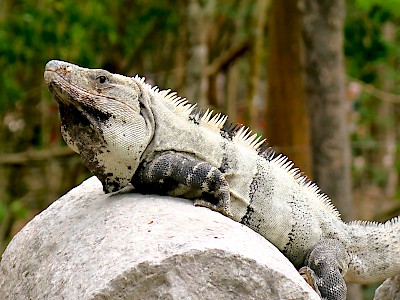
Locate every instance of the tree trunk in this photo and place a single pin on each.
(287, 124)
(322, 27)
(199, 22)
(325, 92)
(258, 20)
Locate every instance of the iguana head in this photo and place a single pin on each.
(104, 117)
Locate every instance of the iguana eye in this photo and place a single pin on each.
(102, 79)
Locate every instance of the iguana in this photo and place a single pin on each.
(128, 132)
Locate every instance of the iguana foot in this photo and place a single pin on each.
(310, 277)
(326, 264)
(181, 168)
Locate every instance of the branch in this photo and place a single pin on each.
(33, 156)
(382, 95)
(227, 57)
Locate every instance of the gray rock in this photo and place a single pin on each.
(389, 289)
(88, 245)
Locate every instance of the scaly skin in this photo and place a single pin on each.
(128, 132)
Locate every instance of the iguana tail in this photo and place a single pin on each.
(374, 250)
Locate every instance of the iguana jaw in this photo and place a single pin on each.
(102, 120)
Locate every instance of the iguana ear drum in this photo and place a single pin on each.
(128, 131)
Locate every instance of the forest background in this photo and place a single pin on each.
(319, 79)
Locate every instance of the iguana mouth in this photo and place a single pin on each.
(69, 92)
(62, 88)
(91, 114)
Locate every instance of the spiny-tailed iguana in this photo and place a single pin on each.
(129, 132)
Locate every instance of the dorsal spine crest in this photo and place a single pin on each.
(239, 134)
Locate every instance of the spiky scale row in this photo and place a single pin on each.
(245, 137)
(392, 222)
(242, 135)
(285, 164)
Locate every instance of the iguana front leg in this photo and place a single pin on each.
(185, 169)
(325, 267)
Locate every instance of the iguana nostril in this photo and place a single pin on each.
(52, 65)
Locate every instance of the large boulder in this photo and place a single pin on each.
(88, 245)
(389, 289)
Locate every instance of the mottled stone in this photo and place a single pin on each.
(389, 289)
(88, 245)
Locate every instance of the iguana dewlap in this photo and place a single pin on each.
(129, 132)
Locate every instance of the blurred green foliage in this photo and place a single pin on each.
(372, 56)
(90, 33)
(390, 6)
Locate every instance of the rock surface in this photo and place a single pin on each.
(88, 245)
(389, 289)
